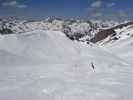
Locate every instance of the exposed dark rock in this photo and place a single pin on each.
(5, 31)
(108, 32)
(102, 35)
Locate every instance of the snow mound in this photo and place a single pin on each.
(40, 46)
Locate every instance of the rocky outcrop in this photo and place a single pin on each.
(102, 35)
(108, 32)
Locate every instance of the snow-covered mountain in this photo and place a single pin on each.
(80, 30)
(74, 29)
(114, 34)
(39, 62)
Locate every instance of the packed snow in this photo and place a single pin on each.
(46, 65)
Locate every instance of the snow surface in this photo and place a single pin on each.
(122, 48)
(46, 65)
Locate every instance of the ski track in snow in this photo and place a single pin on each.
(66, 79)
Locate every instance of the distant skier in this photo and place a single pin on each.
(92, 65)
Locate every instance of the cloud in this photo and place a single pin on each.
(22, 6)
(97, 15)
(95, 9)
(111, 4)
(11, 3)
(14, 4)
(97, 4)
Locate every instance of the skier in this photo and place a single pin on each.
(92, 65)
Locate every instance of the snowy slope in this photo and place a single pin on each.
(122, 48)
(40, 46)
(62, 69)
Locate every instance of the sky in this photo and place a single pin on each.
(38, 9)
